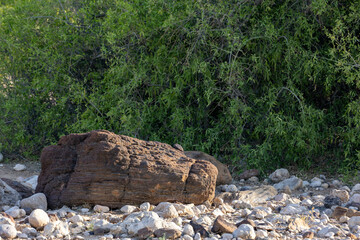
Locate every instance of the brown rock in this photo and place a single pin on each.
(249, 173)
(223, 177)
(222, 226)
(167, 233)
(144, 233)
(308, 235)
(101, 167)
(339, 212)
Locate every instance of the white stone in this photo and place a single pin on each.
(101, 209)
(188, 230)
(38, 218)
(19, 167)
(307, 202)
(204, 220)
(76, 219)
(7, 231)
(245, 231)
(170, 212)
(217, 212)
(84, 210)
(354, 221)
(36, 201)
(261, 234)
(145, 206)
(293, 209)
(325, 185)
(128, 209)
(279, 175)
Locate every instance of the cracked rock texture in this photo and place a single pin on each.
(115, 170)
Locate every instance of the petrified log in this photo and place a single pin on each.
(101, 167)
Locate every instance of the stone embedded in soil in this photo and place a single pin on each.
(101, 167)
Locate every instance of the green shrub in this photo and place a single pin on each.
(262, 84)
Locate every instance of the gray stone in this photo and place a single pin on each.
(315, 182)
(15, 212)
(7, 231)
(245, 231)
(1, 157)
(279, 175)
(354, 221)
(188, 230)
(36, 201)
(355, 198)
(293, 183)
(8, 195)
(101, 209)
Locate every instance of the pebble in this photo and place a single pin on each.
(19, 167)
(7, 231)
(294, 214)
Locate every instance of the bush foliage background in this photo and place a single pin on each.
(262, 83)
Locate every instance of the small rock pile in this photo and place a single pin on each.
(281, 207)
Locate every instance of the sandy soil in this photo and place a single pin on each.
(7, 171)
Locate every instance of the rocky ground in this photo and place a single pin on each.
(280, 207)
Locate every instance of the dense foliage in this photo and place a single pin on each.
(260, 83)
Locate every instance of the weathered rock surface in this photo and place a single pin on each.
(8, 195)
(101, 167)
(23, 190)
(223, 177)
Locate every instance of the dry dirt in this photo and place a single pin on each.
(7, 170)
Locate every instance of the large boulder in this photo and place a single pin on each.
(101, 167)
(224, 176)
